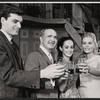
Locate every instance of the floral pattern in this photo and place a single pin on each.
(71, 91)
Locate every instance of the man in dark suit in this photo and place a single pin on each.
(13, 78)
(41, 60)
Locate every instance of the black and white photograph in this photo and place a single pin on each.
(49, 50)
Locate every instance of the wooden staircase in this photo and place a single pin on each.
(73, 33)
(68, 27)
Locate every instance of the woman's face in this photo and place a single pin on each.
(88, 45)
(67, 48)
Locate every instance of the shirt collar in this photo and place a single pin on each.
(8, 37)
(45, 50)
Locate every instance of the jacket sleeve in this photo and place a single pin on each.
(32, 62)
(12, 76)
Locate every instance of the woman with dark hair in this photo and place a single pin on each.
(60, 45)
(67, 86)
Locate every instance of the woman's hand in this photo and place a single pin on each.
(65, 75)
(83, 68)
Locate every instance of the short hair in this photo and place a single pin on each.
(7, 9)
(60, 44)
(92, 35)
(43, 31)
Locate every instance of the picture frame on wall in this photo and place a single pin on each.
(35, 45)
(24, 33)
(24, 49)
(36, 34)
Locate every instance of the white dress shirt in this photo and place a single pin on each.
(51, 60)
(7, 35)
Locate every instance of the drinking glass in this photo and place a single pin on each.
(61, 61)
(79, 62)
(71, 67)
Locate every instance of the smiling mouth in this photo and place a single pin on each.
(69, 53)
(17, 30)
(52, 43)
(87, 49)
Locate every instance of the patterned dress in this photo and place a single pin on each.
(69, 87)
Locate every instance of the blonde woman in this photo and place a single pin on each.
(90, 76)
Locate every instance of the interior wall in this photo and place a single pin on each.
(29, 40)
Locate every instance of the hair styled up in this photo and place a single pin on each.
(92, 35)
(7, 9)
(60, 43)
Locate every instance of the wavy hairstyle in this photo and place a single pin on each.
(92, 35)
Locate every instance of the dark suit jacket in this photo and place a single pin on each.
(12, 76)
(38, 60)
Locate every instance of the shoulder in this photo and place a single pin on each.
(34, 54)
(98, 57)
(1, 38)
(94, 59)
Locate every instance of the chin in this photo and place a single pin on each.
(86, 51)
(15, 34)
(52, 47)
(69, 56)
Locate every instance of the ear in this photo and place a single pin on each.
(60, 48)
(2, 20)
(40, 39)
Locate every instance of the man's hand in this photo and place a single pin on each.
(52, 71)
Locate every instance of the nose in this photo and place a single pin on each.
(86, 45)
(19, 25)
(53, 38)
(69, 49)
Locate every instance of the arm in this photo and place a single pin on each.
(62, 82)
(32, 62)
(36, 61)
(94, 71)
(12, 76)
(52, 71)
(90, 69)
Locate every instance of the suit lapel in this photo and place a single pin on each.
(11, 52)
(44, 55)
(7, 42)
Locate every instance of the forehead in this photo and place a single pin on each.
(68, 42)
(50, 32)
(15, 16)
(87, 39)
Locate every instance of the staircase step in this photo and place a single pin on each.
(73, 33)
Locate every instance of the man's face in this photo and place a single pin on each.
(49, 39)
(12, 24)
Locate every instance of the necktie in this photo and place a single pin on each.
(14, 45)
(51, 60)
(15, 48)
